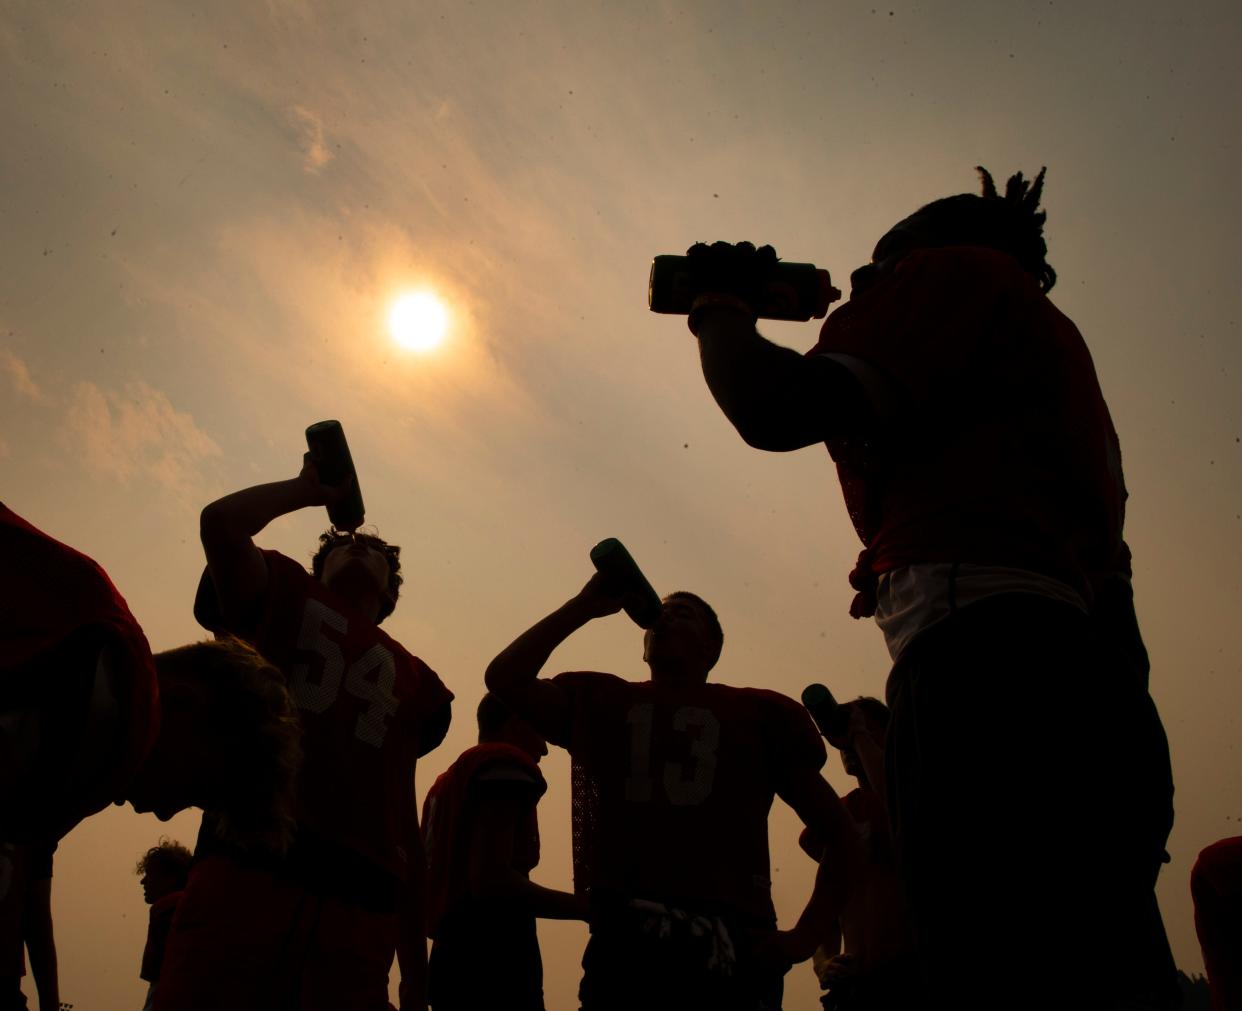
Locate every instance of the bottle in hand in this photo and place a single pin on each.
(330, 451)
(829, 715)
(642, 603)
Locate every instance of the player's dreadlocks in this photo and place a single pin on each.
(1012, 223)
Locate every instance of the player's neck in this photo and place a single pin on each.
(674, 674)
(359, 592)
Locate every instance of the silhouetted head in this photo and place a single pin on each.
(351, 563)
(229, 743)
(163, 869)
(1012, 223)
(685, 642)
(498, 724)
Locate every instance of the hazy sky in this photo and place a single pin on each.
(206, 210)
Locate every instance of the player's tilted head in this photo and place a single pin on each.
(229, 742)
(163, 869)
(1011, 222)
(340, 552)
(686, 639)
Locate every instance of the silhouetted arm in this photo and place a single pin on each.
(776, 398)
(821, 811)
(227, 528)
(499, 812)
(514, 675)
(41, 943)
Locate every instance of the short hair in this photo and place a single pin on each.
(874, 708)
(1011, 223)
(492, 715)
(713, 623)
(333, 538)
(244, 699)
(168, 855)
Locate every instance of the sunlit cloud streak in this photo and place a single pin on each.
(137, 433)
(18, 374)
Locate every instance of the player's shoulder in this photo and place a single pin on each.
(769, 704)
(592, 682)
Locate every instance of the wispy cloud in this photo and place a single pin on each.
(309, 127)
(18, 375)
(138, 432)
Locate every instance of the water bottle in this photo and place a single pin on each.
(330, 451)
(829, 715)
(624, 577)
(797, 291)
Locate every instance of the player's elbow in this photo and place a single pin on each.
(213, 524)
(773, 432)
(499, 677)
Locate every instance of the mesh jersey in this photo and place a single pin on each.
(447, 822)
(672, 788)
(364, 702)
(51, 593)
(1005, 453)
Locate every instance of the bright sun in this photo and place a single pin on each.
(418, 321)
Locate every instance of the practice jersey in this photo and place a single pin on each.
(51, 594)
(1004, 453)
(672, 788)
(366, 705)
(447, 821)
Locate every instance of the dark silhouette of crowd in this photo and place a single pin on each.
(1014, 792)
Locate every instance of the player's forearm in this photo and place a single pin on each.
(821, 917)
(41, 947)
(547, 903)
(241, 515)
(768, 392)
(519, 663)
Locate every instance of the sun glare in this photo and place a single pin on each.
(418, 321)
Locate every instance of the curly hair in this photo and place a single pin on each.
(1012, 223)
(333, 538)
(244, 703)
(168, 855)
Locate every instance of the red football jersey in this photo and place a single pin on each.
(1005, 453)
(1216, 887)
(365, 703)
(673, 788)
(446, 814)
(50, 592)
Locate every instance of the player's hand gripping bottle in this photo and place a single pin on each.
(330, 451)
(829, 715)
(626, 579)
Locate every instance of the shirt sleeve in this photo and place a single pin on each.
(792, 740)
(586, 691)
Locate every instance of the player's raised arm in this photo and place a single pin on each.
(776, 398)
(514, 674)
(820, 809)
(227, 527)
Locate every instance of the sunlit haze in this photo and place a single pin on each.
(200, 200)
(418, 321)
